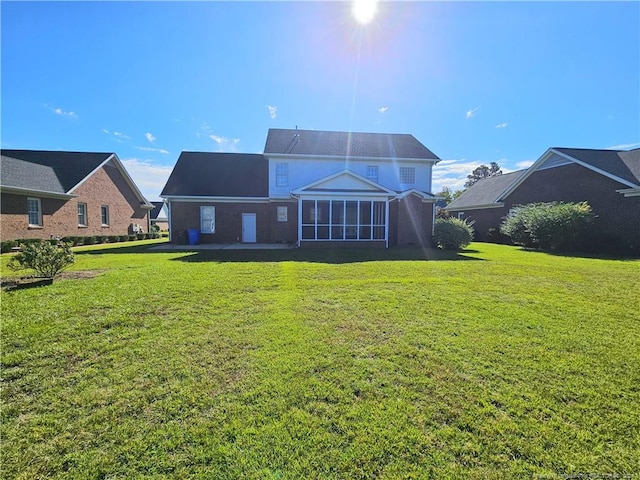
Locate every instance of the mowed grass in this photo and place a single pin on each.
(493, 363)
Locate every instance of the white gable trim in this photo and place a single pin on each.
(630, 192)
(376, 190)
(551, 151)
(144, 203)
(475, 207)
(426, 197)
(210, 199)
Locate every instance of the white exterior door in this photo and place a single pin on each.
(248, 228)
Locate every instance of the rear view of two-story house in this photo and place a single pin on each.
(308, 188)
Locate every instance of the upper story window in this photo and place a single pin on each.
(407, 175)
(372, 173)
(104, 213)
(282, 174)
(34, 212)
(82, 215)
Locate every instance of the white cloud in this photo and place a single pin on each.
(472, 113)
(150, 137)
(272, 111)
(151, 149)
(148, 176)
(624, 146)
(524, 164)
(64, 113)
(383, 109)
(502, 125)
(225, 143)
(452, 174)
(122, 135)
(105, 131)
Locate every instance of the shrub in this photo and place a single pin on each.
(101, 238)
(90, 240)
(7, 245)
(452, 233)
(114, 238)
(155, 228)
(46, 259)
(124, 238)
(548, 226)
(132, 238)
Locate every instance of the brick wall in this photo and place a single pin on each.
(186, 215)
(618, 217)
(413, 222)
(107, 186)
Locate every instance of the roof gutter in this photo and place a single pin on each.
(36, 193)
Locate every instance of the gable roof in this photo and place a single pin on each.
(624, 164)
(158, 213)
(346, 182)
(55, 173)
(485, 192)
(212, 174)
(345, 144)
(48, 171)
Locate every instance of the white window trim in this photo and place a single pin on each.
(102, 209)
(39, 212)
(370, 170)
(282, 214)
(210, 226)
(282, 174)
(407, 175)
(86, 220)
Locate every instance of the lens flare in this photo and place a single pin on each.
(364, 10)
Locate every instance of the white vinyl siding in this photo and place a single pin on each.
(34, 212)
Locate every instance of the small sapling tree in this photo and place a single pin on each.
(46, 259)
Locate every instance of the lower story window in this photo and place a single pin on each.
(343, 220)
(82, 214)
(104, 211)
(207, 219)
(34, 212)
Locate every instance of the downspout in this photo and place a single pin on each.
(299, 225)
(170, 222)
(386, 224)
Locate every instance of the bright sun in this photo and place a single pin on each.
(364, 10)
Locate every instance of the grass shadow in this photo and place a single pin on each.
(325, 255)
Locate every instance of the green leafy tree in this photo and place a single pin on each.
(483, 172)
(47, 259)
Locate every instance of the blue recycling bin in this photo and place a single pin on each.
(194, 236)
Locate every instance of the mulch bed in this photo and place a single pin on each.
(17, 283)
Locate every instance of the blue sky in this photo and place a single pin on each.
(476, 82)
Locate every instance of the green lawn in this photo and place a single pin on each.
(494, 363)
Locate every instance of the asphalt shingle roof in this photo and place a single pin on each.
(485, 191)
(219, 175)
(46, 170)
(624, 164)
(352, 144)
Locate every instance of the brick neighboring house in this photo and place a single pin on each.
(47, 194)
(309, 187)
(159, 215)
(609, 180)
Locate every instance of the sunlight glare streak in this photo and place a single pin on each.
(364, 10)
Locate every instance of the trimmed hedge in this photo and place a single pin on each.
(6, 246)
